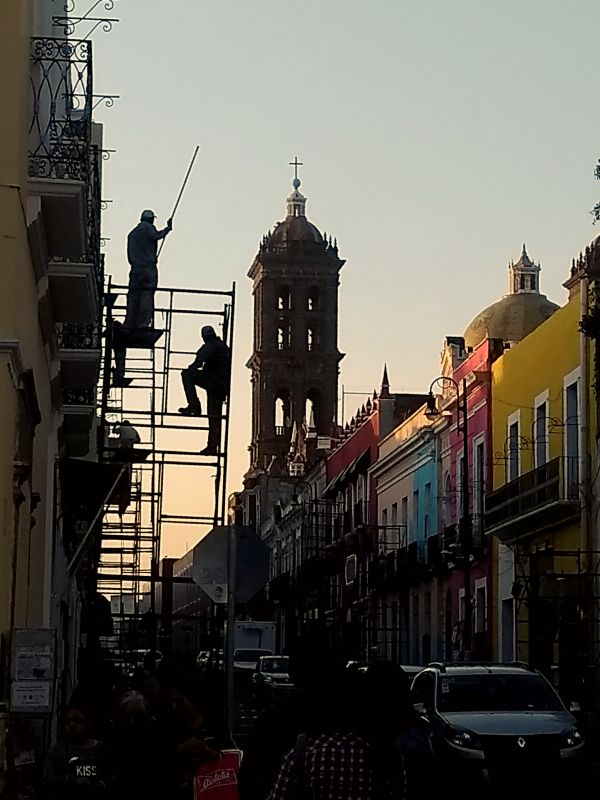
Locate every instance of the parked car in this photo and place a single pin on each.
(246, 659)
(272, 676)
(202, 659)
(497, 717)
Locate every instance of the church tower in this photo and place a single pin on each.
(295, 359)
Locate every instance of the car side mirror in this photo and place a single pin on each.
(419, 708)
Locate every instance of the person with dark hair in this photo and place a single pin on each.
(210, 370)
(200, 731)
(77, 768)
(138, 750)
(314, 670)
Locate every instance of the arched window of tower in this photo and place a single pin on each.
(312, 412)
(312, 303)
(282, 412)
(284, 299)
(310, 339)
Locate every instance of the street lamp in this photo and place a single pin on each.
(465, 530)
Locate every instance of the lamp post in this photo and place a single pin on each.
(465, 530)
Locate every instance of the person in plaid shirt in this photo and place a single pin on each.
(353, 756)
(338, 766)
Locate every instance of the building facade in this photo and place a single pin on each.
(538, 513)
(50, 310)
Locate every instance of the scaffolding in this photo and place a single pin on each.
(168, 487)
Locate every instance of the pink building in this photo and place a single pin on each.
(472, 367)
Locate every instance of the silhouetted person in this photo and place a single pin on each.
(143, 279)
(211, 370)
(76, 769)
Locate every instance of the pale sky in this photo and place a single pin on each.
(437, 137)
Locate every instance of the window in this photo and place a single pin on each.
(284, 299)
(447, 500)
(480, 606)
(312, 302)
(404, 512)
(479, 478)
(394, 513)
(384, 517)
(310, 339)
(415, 514)
(427, 510)
(460, 485)
(571, 416)
(541, 431)
(533, 283)
(508, 630)
(423, 689)
(512, 445)
(522, 282)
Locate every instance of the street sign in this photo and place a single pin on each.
(209, 570)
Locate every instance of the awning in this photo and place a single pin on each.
(348, 474)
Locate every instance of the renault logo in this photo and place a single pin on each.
(521, 742)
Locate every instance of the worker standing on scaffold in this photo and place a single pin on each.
(211, 370)
(143, 279)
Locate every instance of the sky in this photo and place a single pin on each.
(436, 137)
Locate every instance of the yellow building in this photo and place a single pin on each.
(50, 305)
(538, 510)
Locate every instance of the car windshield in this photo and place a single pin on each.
(249, 655)
(496, 692)
(274, 664)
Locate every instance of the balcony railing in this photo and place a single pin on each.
(61, 122)
(79, 397)
(546, 495)
(77, 336)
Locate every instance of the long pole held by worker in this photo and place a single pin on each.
(181, 191)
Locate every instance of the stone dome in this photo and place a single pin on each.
(295, 229)
(518, 313)
(510, 319)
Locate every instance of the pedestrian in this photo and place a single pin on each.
(143, 277)
(279, 725)
(345, 758)
(77, 768)
(199, 731)
(211, 370)
(139, 753)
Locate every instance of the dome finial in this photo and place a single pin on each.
(296, 202)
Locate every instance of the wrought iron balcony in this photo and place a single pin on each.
(77, 336)
(80, 353)
(544, 497)
(79, 397)
(64, 170)
(61, 123)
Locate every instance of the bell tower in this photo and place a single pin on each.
(295, 358)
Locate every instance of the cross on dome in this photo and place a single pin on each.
(295, 164)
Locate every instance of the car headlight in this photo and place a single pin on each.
(462, 738)
(572, 736)
(268, 679)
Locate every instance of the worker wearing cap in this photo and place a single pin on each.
(211, 370)
(143, 279)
